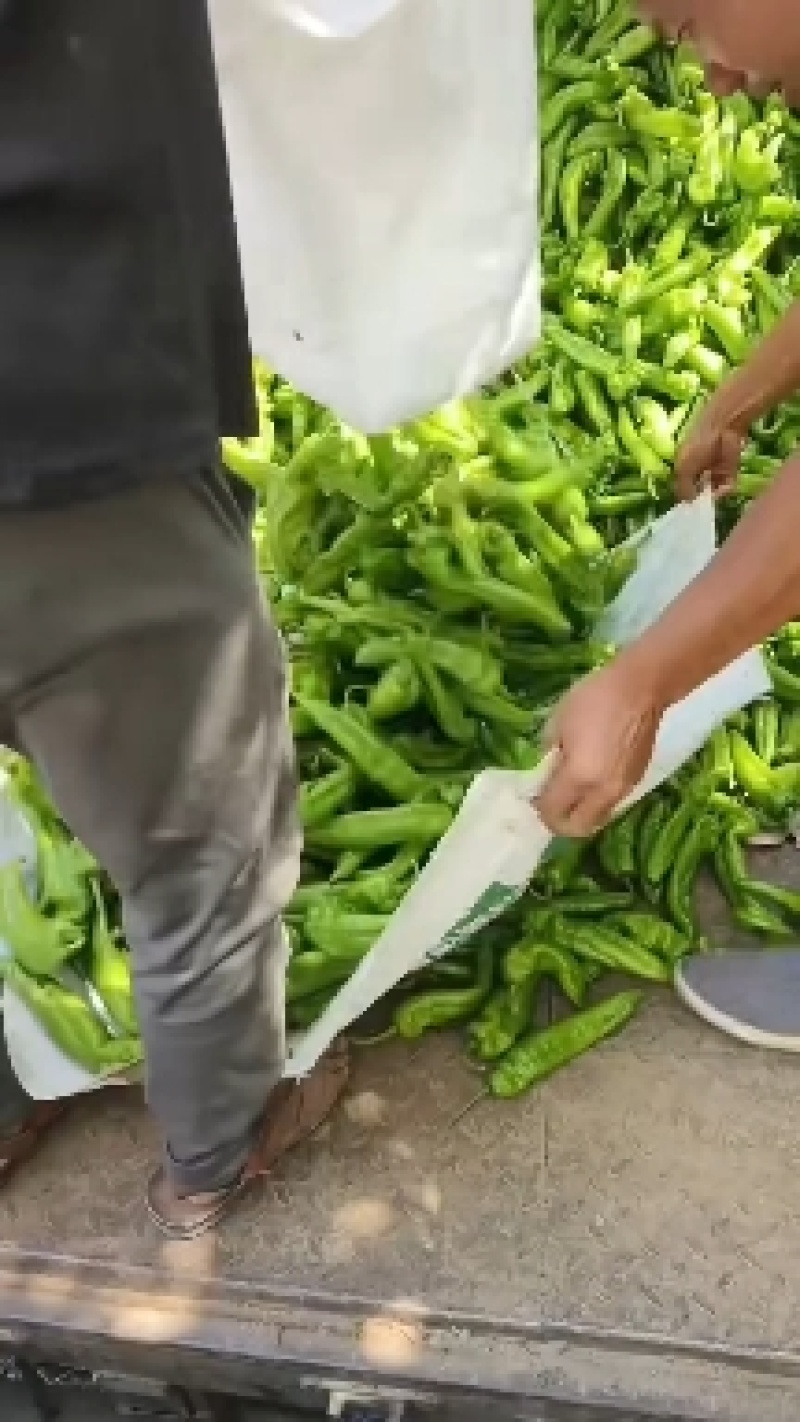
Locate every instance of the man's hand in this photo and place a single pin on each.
(712, 451)
(604, 732)
(711, 455)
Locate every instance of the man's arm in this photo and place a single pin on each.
(606, 727)
(771, 375)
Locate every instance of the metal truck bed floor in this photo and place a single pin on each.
(651, 1189)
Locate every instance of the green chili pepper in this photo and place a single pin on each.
(786, 684)
(397, 691)
(418, 824)
(499, 710)
(540, 1055)
(63, 870)
(766, 729)
(445, 706)
(322, 799)
(341, 933)
(553, 156)
(504, 1019)
(377, 762)
(598, 944)
(303, 1013)
(560, 864)
(40, 944)
(666, 842)
(72, 1024)
(616, 846)
(593, 400)
(646, 460)
(534, 958)
(759, 918)
(616, 178)
(315, 972)
(757, 779)
(756, 169)
(567, 101)
(111, 973)
(698, 844)
(592, 901)
(642, 116)
(433, 1011)
(508, 602)
(604, 35)
(655, 934)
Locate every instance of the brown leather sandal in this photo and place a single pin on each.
(18, 1148)
(296, 1109)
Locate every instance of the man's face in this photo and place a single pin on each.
(745, 44)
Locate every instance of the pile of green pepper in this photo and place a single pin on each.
(437, 588)
(66, 961)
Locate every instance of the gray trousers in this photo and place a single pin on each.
(140, 672)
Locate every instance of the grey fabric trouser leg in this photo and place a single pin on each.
(141, 673)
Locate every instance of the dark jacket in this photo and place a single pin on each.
(123, 339)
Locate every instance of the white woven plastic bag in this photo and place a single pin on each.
(384, 158)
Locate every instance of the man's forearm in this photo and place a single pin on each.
(750, 589)
(770, 376)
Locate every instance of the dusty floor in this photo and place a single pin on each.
(653, 1186)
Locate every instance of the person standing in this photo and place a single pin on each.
(606, 727)
(139, 669)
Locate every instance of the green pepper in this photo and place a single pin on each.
(698, 843)
(616, 178)
(303, 1013)
(603, 35)
(709, 170)
(445, 705)
(72, 1025)
(111, 973)
(665, 843)
(758, 780)
(418, 824)
(616, 846)
(766, 730)
(553, 156)
(655, 934)
(250, 460)
(499, 710)
(541, 1054)
(322, 799)
(63, 870)
(646, 460)
(590, 901)
(593, 400)
(535, 957)
(642, 116)
(785, 684)
(756, 169)
(504, 1019)
(40, 944)
(312, 973)
(433, 1011)
(633, 44)
(340, 933)
(567, 101)
(397, 691)
(759, 918)
(560, 864)
(597, 944)
(377, 761)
